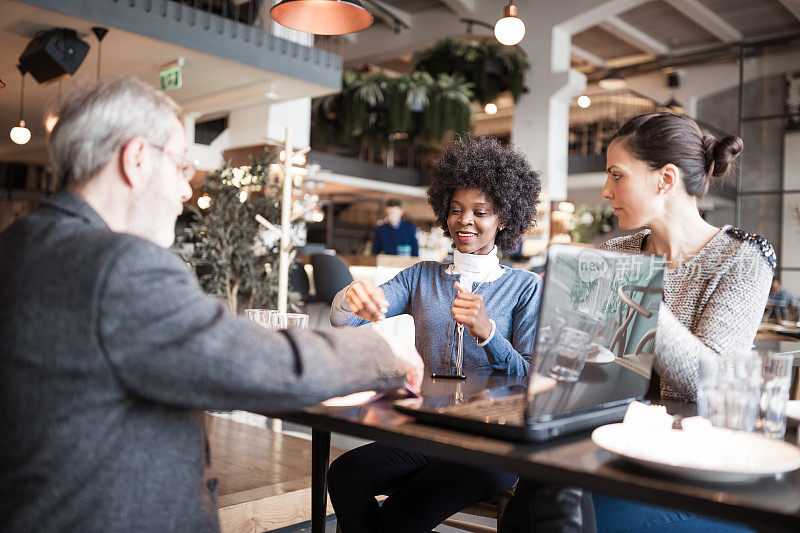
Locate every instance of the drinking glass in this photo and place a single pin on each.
(289, 321)
(262, 317)
(571, 335)
(776, 374)
(729, 389)
(746, 391)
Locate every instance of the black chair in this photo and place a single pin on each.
(331, 275)
(298, 280)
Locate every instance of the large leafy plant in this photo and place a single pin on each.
(373, 108)
(232, 254)
(491, 67)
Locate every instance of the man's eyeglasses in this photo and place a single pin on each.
(186, 167)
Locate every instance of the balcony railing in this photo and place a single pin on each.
(254, 14)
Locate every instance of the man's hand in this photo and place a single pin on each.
(468, 310)
(367, 301)
(409, 357)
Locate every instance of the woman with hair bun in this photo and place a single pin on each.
(718, 279)
(717, 282)
(659, 165)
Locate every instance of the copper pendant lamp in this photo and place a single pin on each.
(322, 17)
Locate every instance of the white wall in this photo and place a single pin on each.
(699, 81)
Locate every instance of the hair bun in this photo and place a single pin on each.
(722, 153)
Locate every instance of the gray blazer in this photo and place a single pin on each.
(109, 350)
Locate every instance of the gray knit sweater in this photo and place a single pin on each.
(714, 303)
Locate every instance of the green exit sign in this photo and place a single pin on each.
(171, 79)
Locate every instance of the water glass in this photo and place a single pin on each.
(570, 336)
(729, 389)
(746, 391)
(289, 321)
(776, 374)
(262, 317)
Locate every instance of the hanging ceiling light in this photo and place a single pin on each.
(322, 17)
(20, 134)
(613, 81)
(584, 101)
(509, 30)
(490, 108)
(100, 33)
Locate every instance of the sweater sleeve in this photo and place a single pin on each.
(513, 356)
(397, 291)
(728, 324)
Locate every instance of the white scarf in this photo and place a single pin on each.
(475, 268)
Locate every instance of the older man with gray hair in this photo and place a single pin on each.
(110, 350)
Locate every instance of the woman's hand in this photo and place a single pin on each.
(468, 310)
(367, 301)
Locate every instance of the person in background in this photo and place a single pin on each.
(780, 299)
(484, 197)
(111, 350)
(395, 236)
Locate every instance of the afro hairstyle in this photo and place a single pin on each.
(500, 172)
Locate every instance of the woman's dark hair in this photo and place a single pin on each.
(500, 172)
(663, 138)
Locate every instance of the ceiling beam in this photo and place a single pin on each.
(589, 57)
(707, 19)
(460, 6)
(634, 36)
(793, 6)
(385, 13)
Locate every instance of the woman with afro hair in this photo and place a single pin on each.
(484, 196)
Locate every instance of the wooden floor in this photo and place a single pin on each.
(264, 477)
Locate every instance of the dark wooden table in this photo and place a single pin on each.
(771, 504)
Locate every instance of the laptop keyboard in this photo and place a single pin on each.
(500, 410)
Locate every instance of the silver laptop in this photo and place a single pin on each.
(620, 294)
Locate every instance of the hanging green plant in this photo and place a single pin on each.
(450, 108)
(491, 67)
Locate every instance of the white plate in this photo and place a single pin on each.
(793, 410)
(598, 355)
(716, 454)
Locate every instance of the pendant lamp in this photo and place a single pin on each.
(20, 134)
(509, 30)
(322, 17)
(613, 81)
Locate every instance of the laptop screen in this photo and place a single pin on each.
(601, 303)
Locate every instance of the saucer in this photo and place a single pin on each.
(599, 356)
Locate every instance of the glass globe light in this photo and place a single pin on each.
(509, 30)
(20, 134)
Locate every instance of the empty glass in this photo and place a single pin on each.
(728, 390)
(289, 321)
(776, 373)
(571, 333)
(746, 391)
(262, 317)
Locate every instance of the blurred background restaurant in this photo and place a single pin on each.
(368, 112)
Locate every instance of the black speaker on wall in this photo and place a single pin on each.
(53, 53)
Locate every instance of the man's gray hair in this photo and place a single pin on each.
(100, 117)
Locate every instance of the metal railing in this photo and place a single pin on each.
(253, 14)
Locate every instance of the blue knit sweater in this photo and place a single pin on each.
(426, 291)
